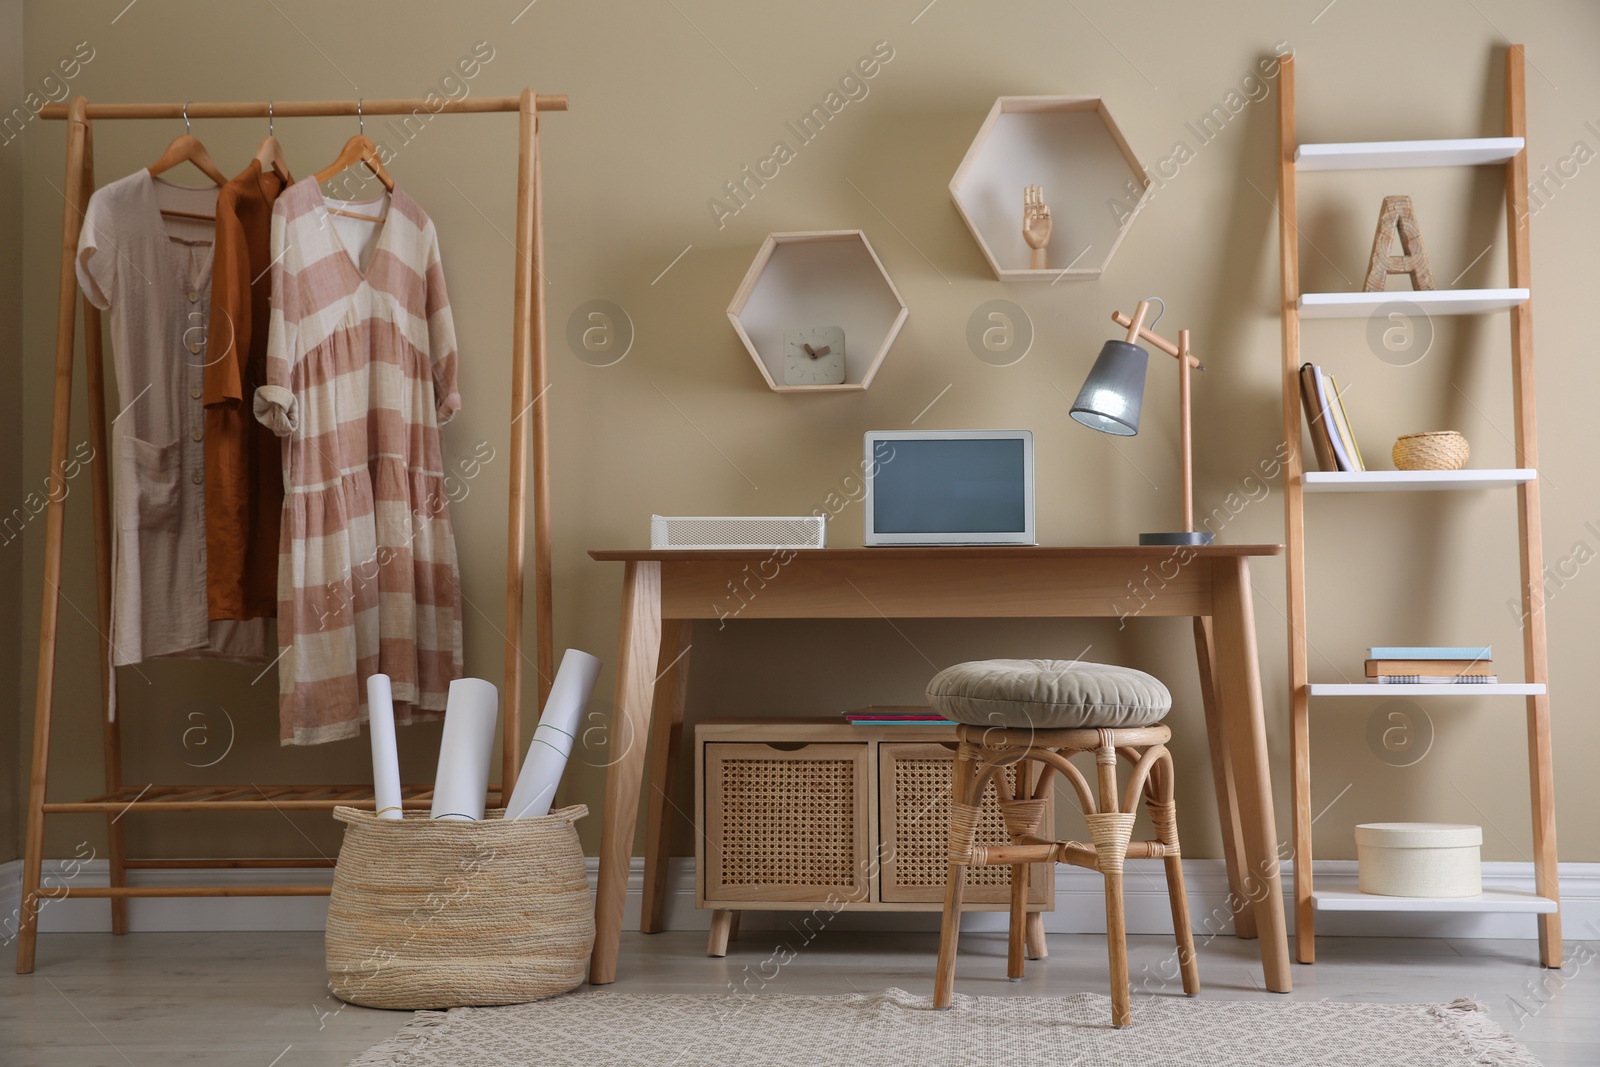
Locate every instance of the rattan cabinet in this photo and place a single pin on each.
(807, 814)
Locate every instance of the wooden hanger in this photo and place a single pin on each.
(270, 154)
(186, 148)
(358, 149)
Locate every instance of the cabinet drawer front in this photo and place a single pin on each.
(914, 813)
(786, 823)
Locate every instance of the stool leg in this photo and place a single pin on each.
(944, 980)
(1187, 963)
(1117, 948)
(1111, 831)
(1017, 940)
(1164, 817)
(963, 822)
(1023, 810)
(1037, 949)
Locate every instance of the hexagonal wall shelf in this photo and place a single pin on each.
(1071, 147)
(811, 279)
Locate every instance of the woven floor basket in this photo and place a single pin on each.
(445, 914)
(1436, 450)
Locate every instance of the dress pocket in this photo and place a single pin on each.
(148, 483)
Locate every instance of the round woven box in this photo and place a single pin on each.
(449, 913)
(1436, 450)
(1419, 859)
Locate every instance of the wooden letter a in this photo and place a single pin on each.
(1398, 218)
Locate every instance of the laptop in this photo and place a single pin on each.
(949, 487)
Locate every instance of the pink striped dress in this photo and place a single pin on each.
(361, 373)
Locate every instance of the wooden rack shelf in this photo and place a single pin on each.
(1342, 894)
(1431, 301)
(1385, 155)
(237, 798)
(1425, 689)
(1414, 481)
(1510, 152)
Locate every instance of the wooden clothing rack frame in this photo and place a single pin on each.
(529, 381)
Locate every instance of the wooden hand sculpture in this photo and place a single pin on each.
(1035, 225)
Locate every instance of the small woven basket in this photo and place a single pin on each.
(443, 914)
(1437, 450)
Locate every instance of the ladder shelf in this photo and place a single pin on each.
(1510, 152)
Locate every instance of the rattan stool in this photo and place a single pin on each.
(1053, 695)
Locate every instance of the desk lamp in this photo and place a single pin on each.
(1113, 394)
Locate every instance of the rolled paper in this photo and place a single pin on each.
(554, 737)
(470, 713)
(385, 755)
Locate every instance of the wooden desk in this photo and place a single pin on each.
(663, 590)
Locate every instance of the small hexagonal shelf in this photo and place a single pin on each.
(812, 281)
(1073, 150)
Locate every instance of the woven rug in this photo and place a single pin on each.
(895, 1029)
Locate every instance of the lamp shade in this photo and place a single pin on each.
(1114, 391)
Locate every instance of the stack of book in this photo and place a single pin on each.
(1331, 437)
(1429, 665)
(895, 715)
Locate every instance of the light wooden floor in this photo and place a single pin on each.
(259, 999)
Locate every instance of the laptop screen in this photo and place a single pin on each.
(975, 486)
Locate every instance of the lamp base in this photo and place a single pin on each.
(1185, 538)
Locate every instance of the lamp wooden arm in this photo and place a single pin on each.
(1186, 361)
(1154, 339)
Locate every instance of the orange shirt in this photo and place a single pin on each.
(244, 460)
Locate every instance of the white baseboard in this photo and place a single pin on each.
(1080, 904)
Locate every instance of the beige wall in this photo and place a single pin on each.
(662, 118)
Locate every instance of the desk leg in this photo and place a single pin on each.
(666, 736)
(1238, 680)
(638, 647)
(1244, 916)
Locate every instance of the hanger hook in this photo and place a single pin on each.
(360, 118)
(186, 127)
(271, 125)
(1163, 311)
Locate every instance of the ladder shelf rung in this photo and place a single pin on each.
(1428, 301)
(1410, 481)
(1342, 894)
(1381, 155)
(1425, 689)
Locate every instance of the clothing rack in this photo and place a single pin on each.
(529, 382)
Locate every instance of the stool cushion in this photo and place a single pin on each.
(1048, 694)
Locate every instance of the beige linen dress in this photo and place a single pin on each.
(153, 273)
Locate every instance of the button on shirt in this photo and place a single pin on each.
(153, 274)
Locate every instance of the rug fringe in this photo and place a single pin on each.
(405, 1041)
(1466, 1004)
(1494, 1046)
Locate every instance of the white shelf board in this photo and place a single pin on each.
(1404, 481)
(1378, 155)
(1430, 301)
(1342, 894)
(1425, 689)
